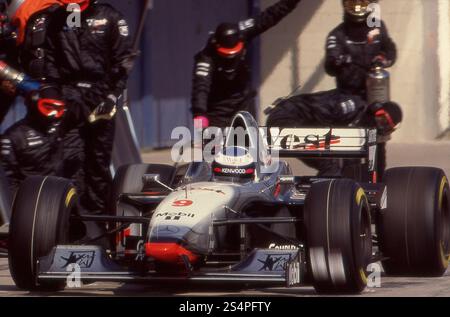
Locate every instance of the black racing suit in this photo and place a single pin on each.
(350, 51)
(90, 63)
(24, 149)
(219, 94)
(324, 109)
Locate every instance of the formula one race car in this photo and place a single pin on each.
(235, 220)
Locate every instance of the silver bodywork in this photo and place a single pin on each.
(187, 214)
(210, 230)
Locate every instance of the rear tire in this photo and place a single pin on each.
(414, 230)
(40, 221)
(338, 236)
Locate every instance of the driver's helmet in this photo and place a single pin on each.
(234, 164)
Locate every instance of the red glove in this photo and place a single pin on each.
(380, 60)
(385, 124)
(387, 117)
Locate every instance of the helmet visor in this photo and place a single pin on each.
(230, 52)
(51, 108)
(358, 8)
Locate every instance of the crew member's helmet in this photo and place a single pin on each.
(46, 105)
(234, 164)
(357, 10)
(228, 40)
(229, 45)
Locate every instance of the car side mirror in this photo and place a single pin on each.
(148, 179)
(152, 179)
(287, 180)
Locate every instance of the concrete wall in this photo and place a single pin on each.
(293, 54)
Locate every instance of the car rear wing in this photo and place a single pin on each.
(323, 142)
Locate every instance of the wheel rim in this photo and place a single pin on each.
(365, 237)
(445, 227)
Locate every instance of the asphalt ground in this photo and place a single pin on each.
(435, 154)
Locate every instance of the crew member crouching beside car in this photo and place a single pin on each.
(32, 146)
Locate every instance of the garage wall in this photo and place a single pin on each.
(444, 62)
(178, 30)
(294, 55)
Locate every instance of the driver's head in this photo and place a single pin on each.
(357, 10)
(229, 45)
(234, 164)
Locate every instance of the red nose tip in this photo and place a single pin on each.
(169, 252)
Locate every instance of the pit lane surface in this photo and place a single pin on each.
(431, 154)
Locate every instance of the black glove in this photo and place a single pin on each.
(105, 111)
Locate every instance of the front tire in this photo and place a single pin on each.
(40, 221)
(414, 230)
(338, 236)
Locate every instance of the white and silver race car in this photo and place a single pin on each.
(235, 220)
